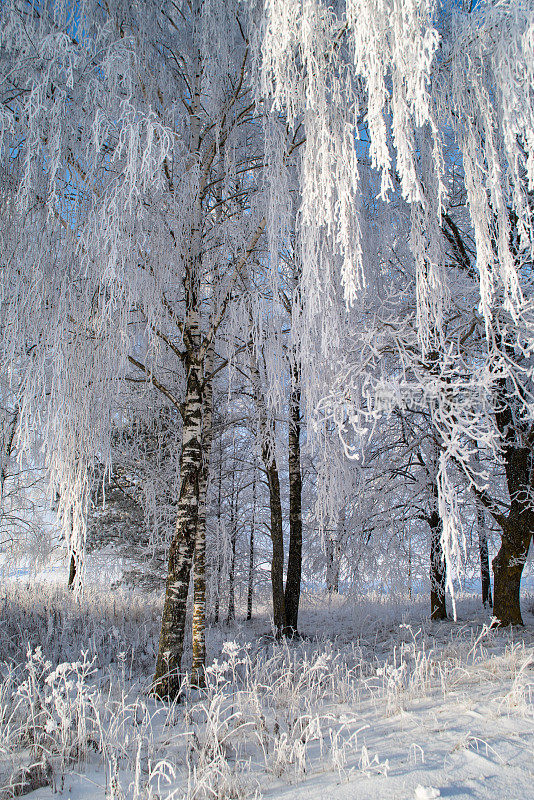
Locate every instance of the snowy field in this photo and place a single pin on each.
(391, 707)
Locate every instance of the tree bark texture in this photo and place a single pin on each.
(167, 677)
(218, 560)
(233, 542)
(332, 566)
(250, 586)
(484, 559)
(508, 567)
(438, 571)
(198, 677)
(294, 562)
(273, 481)
(72, 572)
(6, 451)
(518, 525)
(277, 537)
(333, 554)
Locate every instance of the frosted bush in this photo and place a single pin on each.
(56, 707)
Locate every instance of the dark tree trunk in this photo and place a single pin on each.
(231, 574)
(277, 538)
(484, 559)
(294, 563)
(250, 587)
(518, 525)
(273, 481)
(7, 451)
(72, 571)
(332, 566)
(216, 605)
(508, 567)
(218, 564)
(438, 570)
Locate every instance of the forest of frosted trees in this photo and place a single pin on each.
(267, 301)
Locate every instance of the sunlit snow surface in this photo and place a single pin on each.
(373, 703)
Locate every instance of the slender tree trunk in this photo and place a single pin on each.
(230, 617)
(294, 562)
(167, 679)
(276, 529)
(217, 601)
(233, 541)
(340, 537)
(438, 573)
(277, 537)
(250, 587)
(167, 676)
(484, 558)
(332, 567)
(7, 450)
(218, 566)
(508, 567)
(199, 601)
(72, 572)
(333, 554)
(73, 564)
(198, 677)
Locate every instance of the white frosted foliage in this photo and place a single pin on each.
(130, 147)
(400, 69)
(407, 100)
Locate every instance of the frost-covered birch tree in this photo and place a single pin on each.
(131, 156)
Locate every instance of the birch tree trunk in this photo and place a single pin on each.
(167, 678)
(198, 677)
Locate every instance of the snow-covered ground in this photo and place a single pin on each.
(373, 703)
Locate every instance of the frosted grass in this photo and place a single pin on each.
(322, 711)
